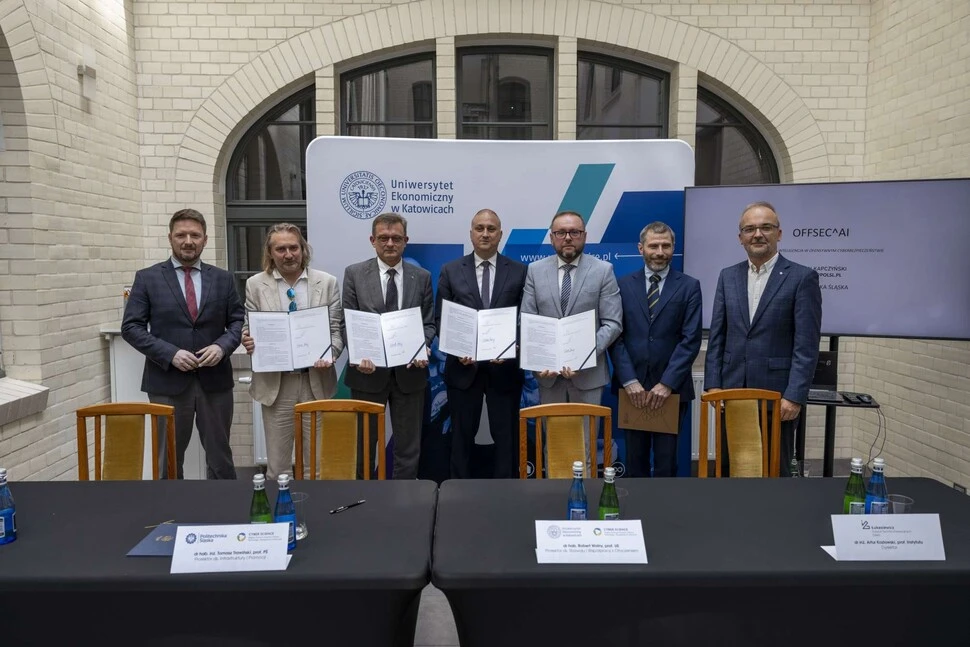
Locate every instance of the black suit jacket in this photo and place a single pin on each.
(459, 283)
(362, 291)
(157, 324)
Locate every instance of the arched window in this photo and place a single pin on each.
(266, 183)
(729, 149)
(505, 93)
(391, 99)
(617, 99)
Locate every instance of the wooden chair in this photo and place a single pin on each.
(752, 453)
(338, 448)
(564, 432)
(124, 440)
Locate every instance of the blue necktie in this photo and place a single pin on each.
(567, 286)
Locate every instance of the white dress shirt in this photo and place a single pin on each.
(757, 280)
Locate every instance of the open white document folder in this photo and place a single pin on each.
(549, 344)
(390, 339)
(285, 341)
(482, 335)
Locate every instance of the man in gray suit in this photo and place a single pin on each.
(567, 284)
(185, 315)
(288, 284)
(385, 284)
(766, 323)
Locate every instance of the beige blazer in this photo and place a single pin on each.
(262, 295)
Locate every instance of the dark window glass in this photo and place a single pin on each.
(393, 99)
(729, 149)
(620, 100)
(496, 88)
(266, 181)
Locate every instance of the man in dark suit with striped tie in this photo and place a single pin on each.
(661, 338)
(186, 318)
(480, 280)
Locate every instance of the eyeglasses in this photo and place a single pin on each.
(572, 233)
(383, 240)
(291, 293)
(748, 230)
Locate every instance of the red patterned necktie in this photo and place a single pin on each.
(190, 299)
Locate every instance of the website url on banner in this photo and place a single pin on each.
(840, 250)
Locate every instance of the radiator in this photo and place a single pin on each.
(695, 417)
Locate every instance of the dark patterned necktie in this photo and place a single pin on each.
(653, 294)
(390, 295)
(567, 286)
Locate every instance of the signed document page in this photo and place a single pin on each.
(549, 344)
(290, 340)
(403, 332)
(459, 330)
(496, 333)
(364, 337)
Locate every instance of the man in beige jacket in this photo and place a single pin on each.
(287, 284)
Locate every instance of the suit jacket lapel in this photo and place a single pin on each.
(315, 296)
(578, 277)
(470, 276)
(671, 285)
(371, 287)
(741, 290)
(778, 276)
(170, 274)
(640, 289)
(501, 276)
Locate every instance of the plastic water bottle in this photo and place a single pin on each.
(8, 511)
(259, 511)
(877, 501)
(609, 507)
(576, 510)
(854, 500)
(285, 510)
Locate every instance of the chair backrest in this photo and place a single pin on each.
(333, 456)
(566, 425)
(751, 451)
(124, 440)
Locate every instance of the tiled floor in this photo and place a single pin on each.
(436, 625)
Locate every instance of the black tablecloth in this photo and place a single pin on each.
(732, 562)
(355, 580)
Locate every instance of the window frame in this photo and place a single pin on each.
(529, 50)
(358, 72)
(626, 65)
(736, 119)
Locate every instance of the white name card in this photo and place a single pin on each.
(239, 547)
(590, 542)
(888, 537)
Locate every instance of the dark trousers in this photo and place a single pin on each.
(407, 416)
(664, 446)
(503, 419)
(211, 412)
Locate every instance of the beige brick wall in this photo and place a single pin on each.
(918, 126)
(74, 232)
(181, 81)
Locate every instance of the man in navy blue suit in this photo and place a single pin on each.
(661, 337)
(186, 318)
(468, 281)
(766, 323)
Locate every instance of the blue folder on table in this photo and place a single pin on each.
(160, 542)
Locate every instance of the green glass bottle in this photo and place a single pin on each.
(259, 510)
(854, 500)
(609, 503)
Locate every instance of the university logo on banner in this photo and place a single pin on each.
(363, 195)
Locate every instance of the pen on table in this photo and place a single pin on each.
(348, 506)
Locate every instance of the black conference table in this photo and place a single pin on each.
(731, 562)
(355, 580)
